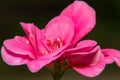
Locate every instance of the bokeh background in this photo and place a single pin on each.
(106, 32)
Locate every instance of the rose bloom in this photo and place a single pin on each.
(60, 40)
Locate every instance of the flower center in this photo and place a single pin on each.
(56, 44)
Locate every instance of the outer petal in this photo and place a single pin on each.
(112, 55)
(36, 65)
(32, 31)
(90, 63)
(92, 70)
(35, 37)
(12, 58)
(29, 28)
(19, 45)
(83, 17)
(84, 45)
(60, 27)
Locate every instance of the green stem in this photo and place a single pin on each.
(57, 75)
(57, 70)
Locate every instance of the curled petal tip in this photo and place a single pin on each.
(112, 55)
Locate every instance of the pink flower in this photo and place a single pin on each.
(60, 41)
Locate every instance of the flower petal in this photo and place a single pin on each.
(19, 45)
(29, 28)
(92, 70)
(60, 27)
(36, 65)
(83, 17)
(13, 59)
(112, 55)
(35, 36)
(90, 64)
(86, 43)
(32, 31)
(83, 46)
(89, 57)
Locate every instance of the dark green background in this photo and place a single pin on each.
(106, 32)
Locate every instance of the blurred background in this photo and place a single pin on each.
(106, 32)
